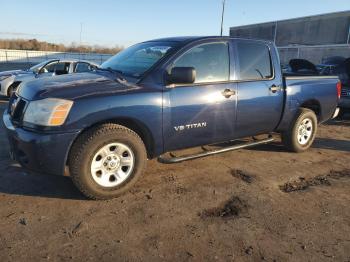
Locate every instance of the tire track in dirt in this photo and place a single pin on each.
(305, 183)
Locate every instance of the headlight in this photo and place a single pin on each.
(47, 112)
(4, 77)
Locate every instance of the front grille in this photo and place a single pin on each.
(16, 108)
(345, 92)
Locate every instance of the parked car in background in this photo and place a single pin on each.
(338, 66)
(343, 72)
(329, 65)
(333, 60)
(10, 80)
(159, 96)
(300, 67)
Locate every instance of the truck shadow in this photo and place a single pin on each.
(340, 122)
(15, 181)
(320, 143)
(332, 144)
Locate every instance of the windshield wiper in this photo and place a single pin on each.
(115, 71)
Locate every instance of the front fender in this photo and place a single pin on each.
(142, 108)
(5, 84)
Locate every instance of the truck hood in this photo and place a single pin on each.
(75, 86)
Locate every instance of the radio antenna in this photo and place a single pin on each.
(222, 15)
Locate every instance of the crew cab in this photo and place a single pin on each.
(161, 96)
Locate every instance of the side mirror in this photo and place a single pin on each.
(182, 75)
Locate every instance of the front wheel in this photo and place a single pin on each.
(10, 91)
(302, 132)
(106, 161)
(12, 88)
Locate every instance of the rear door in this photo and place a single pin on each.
(62, 68)
(200, 113)
(259, 91)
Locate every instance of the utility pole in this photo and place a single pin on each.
(81, 31)
(222, 15)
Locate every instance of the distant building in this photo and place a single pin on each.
(313, 37)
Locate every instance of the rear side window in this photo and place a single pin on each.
(82, 67)
(254, 61)
(211, 62)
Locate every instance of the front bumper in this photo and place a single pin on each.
(39, 152)
(2, 89)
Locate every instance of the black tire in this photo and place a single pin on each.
(341, 113)
(84, 150)
(10, 90)
(290, 138)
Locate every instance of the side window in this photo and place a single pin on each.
(211, 62)
(62, 68)
(83, 67)
(49, 68)
(254, 61)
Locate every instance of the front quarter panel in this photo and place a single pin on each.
(24, 77)
(144, 108)
(5, 84)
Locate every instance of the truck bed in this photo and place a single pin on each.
(301, 90)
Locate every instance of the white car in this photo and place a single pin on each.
(10, 80)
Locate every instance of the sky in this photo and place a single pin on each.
(125, 22)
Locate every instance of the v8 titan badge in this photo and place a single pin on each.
(190, 126)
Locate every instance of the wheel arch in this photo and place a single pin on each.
(13, 86)
(313, 105)
(133, 124)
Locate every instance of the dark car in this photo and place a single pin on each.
(301, 67)
(339, 66)
(343, 71)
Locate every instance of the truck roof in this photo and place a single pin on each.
(187, 39)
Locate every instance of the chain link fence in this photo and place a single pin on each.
(22, 59)
(314, 54)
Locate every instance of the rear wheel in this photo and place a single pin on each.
(106, 161)
(302, 133)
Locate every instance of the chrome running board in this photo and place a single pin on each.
(177, 159)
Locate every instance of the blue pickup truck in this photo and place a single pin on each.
(157, 97)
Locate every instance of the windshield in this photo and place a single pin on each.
(37, 67)
(137, 59)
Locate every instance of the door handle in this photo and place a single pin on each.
(275, 88)
(227, 93)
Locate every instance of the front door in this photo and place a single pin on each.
(204, 112)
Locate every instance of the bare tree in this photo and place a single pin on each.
(35, 45)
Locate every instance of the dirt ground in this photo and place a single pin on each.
(248, 205)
